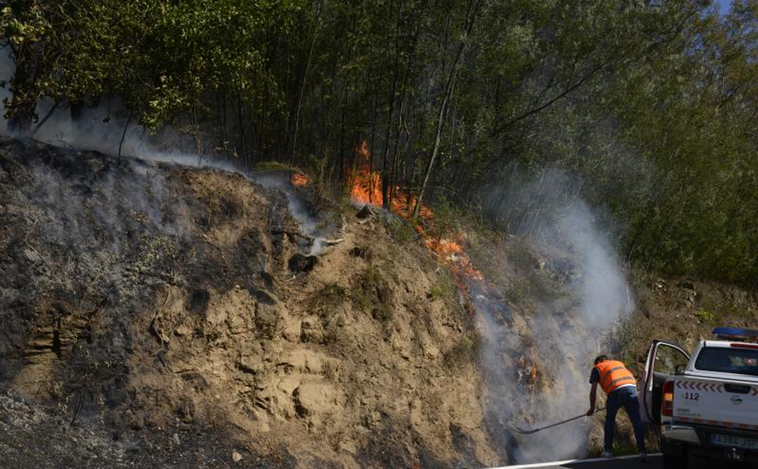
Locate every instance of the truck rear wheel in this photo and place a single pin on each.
(674, 462)
(674, 455)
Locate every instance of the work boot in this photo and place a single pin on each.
(643, 457)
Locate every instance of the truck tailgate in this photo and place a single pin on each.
(716, 402)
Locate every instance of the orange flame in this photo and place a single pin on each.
(300, 180)
(527, 369)
(365, 185)
(366, 188)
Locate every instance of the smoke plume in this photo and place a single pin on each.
(584, 294)
(107, 129)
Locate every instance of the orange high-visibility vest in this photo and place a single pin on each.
(613, 375)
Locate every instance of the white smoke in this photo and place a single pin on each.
(107, 129)
(602, 290)
(567, 327)
(566, 333)
(308, 223)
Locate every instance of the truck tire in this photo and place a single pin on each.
(674, 454)
(674, 462)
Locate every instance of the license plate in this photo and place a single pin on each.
(735, 441)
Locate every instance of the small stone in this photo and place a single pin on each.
(302, 263)
(366, 212)
(236, 457)
(314, 398)
(311, 330)
(270, 314)
(252, 363)
(430, 351)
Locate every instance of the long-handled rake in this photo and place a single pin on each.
(538, 429)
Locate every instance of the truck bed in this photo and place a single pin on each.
(731, 403)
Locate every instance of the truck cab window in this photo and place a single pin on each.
(728, 360)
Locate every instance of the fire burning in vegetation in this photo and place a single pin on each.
(366, 188)
(299, 180)
(452, 251)
(527, 369)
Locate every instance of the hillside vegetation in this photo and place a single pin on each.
(650, 106)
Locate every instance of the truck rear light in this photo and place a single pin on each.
(667, 403)
(744, 346)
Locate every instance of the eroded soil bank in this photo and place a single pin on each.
(149, 316)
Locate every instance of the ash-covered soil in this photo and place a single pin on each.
(150, 317)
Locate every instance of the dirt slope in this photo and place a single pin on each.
(165, 316)
(149, 316)
(682, 311)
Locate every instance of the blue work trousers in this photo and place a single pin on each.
(625, 397)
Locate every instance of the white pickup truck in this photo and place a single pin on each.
(706, 405)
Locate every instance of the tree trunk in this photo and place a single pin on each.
(470, 17)
(23, 102)
(293, 150)
(241, 124)
(403, 88)
(388, 134)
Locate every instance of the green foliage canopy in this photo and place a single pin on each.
(652, 108)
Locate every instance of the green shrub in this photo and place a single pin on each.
(371, 292)
(704, 315)
(323, 300)
(401, 231)
(444, 288)
(465, 351)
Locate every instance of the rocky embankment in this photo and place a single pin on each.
(150, 315)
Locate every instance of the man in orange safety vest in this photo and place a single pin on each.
(621, 388)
